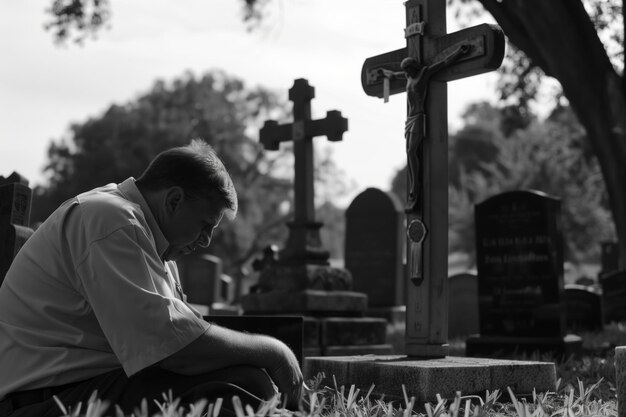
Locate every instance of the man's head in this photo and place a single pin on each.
(188, 190)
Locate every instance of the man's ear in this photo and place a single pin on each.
(173, 199)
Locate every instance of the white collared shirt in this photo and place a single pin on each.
(88, 293)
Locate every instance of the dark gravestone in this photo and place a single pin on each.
(614, 296)
(15, 203)
(374, 246)
(204, 283)
(462, 305)
(610, 257)
(584, 308)
(519, 257)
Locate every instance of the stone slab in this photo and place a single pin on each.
(620, 379)
(353, 331)
(425, 378)
(310, 302)
(393, 315)
(500, 346)
(351, 350)
(300, 277)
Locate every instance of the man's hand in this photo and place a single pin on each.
(220, 348)
(286, 374)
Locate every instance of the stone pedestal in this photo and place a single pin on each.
(565, 346)
(334, 322)
(394, 315)
(425, 378)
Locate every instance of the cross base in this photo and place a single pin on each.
(300, 277)
(428, 379)
(419, 350)
(304, 245)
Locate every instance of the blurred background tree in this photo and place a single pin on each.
(552, 156)
(578, 43)
(215, 107)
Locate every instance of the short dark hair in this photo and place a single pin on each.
(195, 168)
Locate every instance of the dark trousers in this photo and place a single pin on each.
(250, 384)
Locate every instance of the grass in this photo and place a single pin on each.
(585, 387)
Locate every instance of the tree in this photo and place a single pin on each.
(76, 20)
(215, 107)
(561, 39)
(549, 156)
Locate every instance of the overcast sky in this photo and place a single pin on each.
(45, 87)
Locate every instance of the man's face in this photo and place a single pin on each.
(190, 224)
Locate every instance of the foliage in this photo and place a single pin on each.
(549, 156)
(579, 400)
(218, 108)
(77, 20)
(487, 156)
(520, 78)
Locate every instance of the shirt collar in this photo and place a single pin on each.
(130, 191)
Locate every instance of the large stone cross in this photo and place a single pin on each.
(422, 68)
(303, 244)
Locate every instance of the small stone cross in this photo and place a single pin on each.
(303, 244)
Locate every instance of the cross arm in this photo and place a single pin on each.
(486, 50)
(372, 77)
(333, 126)
(271, 134)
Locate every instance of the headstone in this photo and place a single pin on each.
(15, 204)
(373, 247)
(300, 280)
(614, 296)
(205, 285)
(610, 257)
(519, 258)
(463, 305)
(583, 306)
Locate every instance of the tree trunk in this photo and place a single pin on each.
(559, 37)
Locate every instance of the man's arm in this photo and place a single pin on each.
(220, 347)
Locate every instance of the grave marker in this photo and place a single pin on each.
(301, 280)
(614, 296)
(610, 257)
(463, 317)
(15, 204)
(204, 283)
(303, 243)
(519, 257)
(373, 247)
(422, 68)
(583, 307)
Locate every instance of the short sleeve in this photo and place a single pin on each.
(128, 288)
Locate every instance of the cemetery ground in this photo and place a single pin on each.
(586, 386)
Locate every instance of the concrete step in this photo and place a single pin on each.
(425, 378)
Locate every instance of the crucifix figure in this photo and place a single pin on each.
(418, 78)
(421, 69)
(303, 244)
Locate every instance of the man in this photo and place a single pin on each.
(93, 302)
